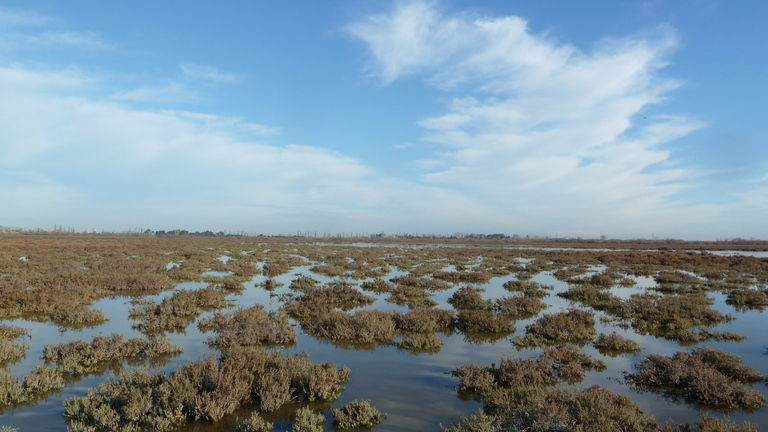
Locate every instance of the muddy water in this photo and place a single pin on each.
(416, 391)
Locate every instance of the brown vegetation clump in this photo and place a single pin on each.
(361, 328)
(671, 316)
(254, 423)
(420, 343)
(176, 312)
(704, 376)
(614, 344)
(378, 286)
(468, 297)
(319, 301)
(748, 299)
(573, 325)
(484, 321)
(249, 326)
(207, 390)
(425, 320)
(519, 307)
(591, 295)
(11, 352)
(357, 415)
(710, 424)
(528, 288)
(432, 285)
(407, 294)
(79, 357)
(304, 283)
(307, 420)
(519, 395)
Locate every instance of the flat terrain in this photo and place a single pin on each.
(239, 333)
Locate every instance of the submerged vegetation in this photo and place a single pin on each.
(560, 316)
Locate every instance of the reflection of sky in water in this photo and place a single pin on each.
(416, 391)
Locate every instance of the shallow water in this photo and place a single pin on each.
(416, 391)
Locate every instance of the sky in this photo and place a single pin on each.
(623, 118)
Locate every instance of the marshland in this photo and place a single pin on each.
(103, 333)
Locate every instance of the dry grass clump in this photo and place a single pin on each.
(677, 277)
(519, 307)
(614, 344)
(408, 294)
(591, 295)
(38, 383)
(318, 301)
(520, 396)
(468, 297)
(361, 328)
(528, 288)
(419, 343)
(710, 424)
(357, 414)
(79, 357)
(555, 364)
(484, 321)
(254, 423)
(207, 390)
(249, 326)
(573, 325)
(425, 320)
(308, 421)
(304, 283)
(176, 312)
(65, 305)
(463, 276)
(9, 332)
(704, 376)
(671, 316)
(478, 315)
(271, 284)
(748, 299)
(11, 352)
(421, 282)
(378, 286)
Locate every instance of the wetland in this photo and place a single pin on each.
(103, 333)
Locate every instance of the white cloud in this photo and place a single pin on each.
(12, 18)
(208, 73)
(97, 163)
(538, 127)
(173, 92)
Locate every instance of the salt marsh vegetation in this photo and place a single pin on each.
(216, 334)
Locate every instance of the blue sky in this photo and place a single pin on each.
(619, 118)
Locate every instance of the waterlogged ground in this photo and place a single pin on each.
(416, 390)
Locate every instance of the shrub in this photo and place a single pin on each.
(80, 357)
(207, 390)
(613, 344)
(420, 343)
(573, 325)
(469, 298)
(11, 352)
(249, 326)
(308, 421)
(425, 320)
(357, 414)
(705, 376)
(254, 423)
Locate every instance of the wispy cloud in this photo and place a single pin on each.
(170, 93)
(16, 18)
(65, 150)
(209, 73)
(538, 126)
